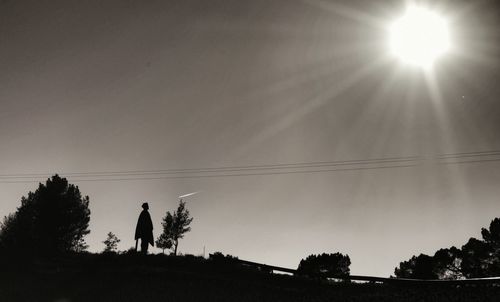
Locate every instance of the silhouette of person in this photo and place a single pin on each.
(144, 229)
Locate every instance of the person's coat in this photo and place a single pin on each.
(144, 228)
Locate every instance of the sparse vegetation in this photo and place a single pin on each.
(174, 227)
(111, 243)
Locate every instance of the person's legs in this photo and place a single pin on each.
(144, 247)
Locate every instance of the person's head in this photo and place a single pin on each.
(145, 206)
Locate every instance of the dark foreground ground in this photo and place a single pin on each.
(161, 278)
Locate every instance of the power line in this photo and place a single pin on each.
(262, 170)
(226, 168)
(262, 166)
(259, 167)
(471, 161)
(469, 154)
(222, 175)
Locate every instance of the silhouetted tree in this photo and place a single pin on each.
(163, 241)
(475, 257)
(10, 233)
(174, 227)
(481, 258)
(492, 237)
(111, 243)
(81, 246)
(447, 264)
(418, 267)
(317, 266)
(53, 219)
(220, 257)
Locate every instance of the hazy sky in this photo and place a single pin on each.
(100, 86)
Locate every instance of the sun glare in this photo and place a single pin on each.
(419, 37)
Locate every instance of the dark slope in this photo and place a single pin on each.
(161, 278)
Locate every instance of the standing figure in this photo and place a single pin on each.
(144, 229)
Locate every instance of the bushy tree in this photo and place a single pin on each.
(418, 267)
(477, 258)
(164, 241)
(481, 258)
(174, 227)
(220, 257)
(445, 264)
(53, 219)
(81, 246)
(325, 265)
(111, 243)
(492, 237)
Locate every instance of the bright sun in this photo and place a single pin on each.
(419, 37)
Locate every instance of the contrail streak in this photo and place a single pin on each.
(189, 194)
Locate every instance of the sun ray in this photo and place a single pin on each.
(287, 119)
(455, 174)
(347, 12)
(320, 69)
(377, 102)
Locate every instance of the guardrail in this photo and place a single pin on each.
(491, 280)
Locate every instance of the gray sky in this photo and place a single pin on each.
(93, 86)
